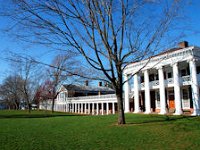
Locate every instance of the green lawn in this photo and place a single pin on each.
(40, 130)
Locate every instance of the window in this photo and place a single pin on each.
(142, 79)
(171, 94)
(183, 72)
(62, 95)
(169, 75)
(185, 94)
(164, 75)
(198, 69)
(157, 96)
(186, 101)
(151, 77)
(157, 77)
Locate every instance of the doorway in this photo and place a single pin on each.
(171, 99)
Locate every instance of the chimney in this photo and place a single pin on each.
(183, 44)
(86, 83)
(100, 83)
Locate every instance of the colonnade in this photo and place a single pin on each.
(162, 86)
(93, 108)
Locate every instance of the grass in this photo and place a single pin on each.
(43, 130)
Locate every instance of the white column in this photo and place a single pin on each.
(76, 108)
(177, 93)
(113, 107)
(88, 108)
(85, 108)
(102, 108)
(194, 87)
(147, 92)
(81, 108)
(97, 110)
(73, 107)
(92, 108)
(162, 91)
(107, 108)
(66, 107)
(126, 94)
(136, 94)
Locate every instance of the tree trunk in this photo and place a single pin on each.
(16, 106)
(29, 108)
(121, 116)
(53, 103)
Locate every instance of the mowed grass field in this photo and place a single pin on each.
(45, 131)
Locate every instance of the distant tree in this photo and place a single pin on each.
(30, 74)
(108, 34)
(10, 91)
(44, 94)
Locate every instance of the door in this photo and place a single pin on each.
(171, 99)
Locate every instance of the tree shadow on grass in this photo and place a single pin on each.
(159, 119)
(15, 116)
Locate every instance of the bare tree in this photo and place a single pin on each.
(109, 34)
(10, 91)
(30, 74)
(58, 74)
(29, 85)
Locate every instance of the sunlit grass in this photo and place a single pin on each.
(44, 130)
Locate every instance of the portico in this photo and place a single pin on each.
(168, 83)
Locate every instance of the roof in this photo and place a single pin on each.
(87, 88)
(168, 51)
(163, 52)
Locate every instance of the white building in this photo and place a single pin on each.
(84, 99)
(169, 82)
(166, 83)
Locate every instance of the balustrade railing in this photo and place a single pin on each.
(169, 81)
(183, 80)
(154, 83)
(92, 97)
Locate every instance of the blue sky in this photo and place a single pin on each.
(192, 21)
